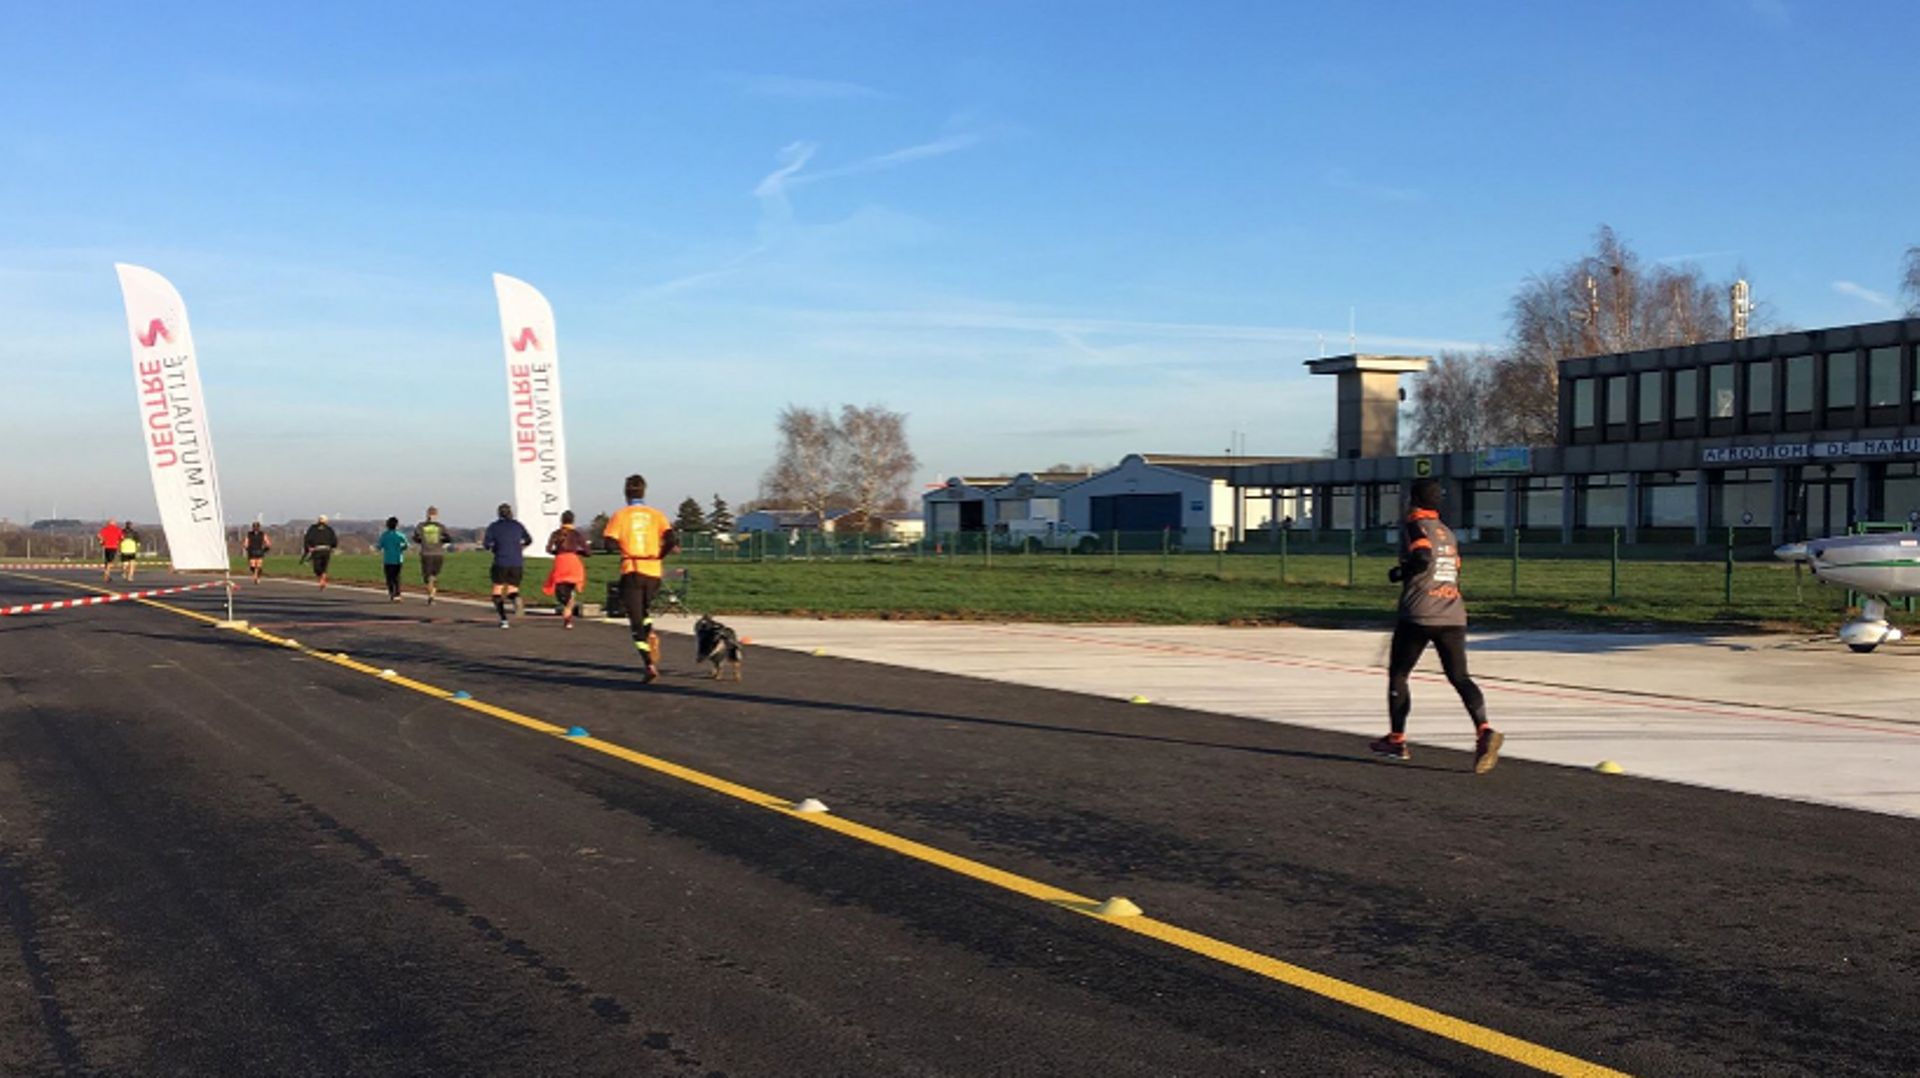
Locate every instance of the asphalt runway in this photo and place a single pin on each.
(225, 855)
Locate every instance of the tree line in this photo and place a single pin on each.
(1606, 301)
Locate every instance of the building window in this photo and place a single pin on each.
(1902, 496)
(1843, 376)
(1582, 403)
(1743, 498)
(1799, 384)
(1760, 388)
(1667, 499)
(1649, 396)
(1686, 393)
(1720, 391)
(1541, 499)
(1603, 500)
(1883, 378)
(1616, 400)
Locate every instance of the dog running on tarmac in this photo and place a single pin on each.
(718, 645)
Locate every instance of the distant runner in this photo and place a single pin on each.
(1432, 610)
(257, 545)
(508, 539)
(569, 573)
(393, 556)
(642, 536)
(431, 537)
(129, 548)
(109, 549)
(318, 547)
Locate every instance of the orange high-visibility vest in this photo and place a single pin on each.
(639, 531)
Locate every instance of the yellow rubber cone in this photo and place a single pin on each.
(1139, 700)
(1118, 907)
(1608, 767)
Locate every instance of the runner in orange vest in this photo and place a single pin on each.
(642, 536)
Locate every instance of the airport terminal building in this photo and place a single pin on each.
(1780, 437)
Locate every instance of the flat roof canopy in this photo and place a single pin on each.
(1369, 363)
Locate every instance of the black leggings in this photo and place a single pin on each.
(1409, 641)
(636, 594)
(393, 578)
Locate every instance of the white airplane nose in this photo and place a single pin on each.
(1792, 552)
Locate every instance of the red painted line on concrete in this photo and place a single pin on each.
(1731, 711)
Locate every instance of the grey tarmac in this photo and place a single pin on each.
(223, 856)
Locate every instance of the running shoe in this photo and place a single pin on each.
(503, 624)
(652, 675)
(1392, 746)
(566, 623)
(1486, 750)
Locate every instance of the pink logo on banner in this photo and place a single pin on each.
(156, 331)
(526, 338)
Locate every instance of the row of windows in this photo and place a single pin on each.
(1836, 375)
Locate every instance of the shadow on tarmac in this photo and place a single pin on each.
(620, 678)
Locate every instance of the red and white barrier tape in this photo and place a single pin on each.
(7, 566)
(96, 600)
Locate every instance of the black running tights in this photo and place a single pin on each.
(1409, 641)
(636, 594)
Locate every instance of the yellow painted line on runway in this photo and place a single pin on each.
(1392, 1008)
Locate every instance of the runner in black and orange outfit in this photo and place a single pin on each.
(1432, 611)
(642, 536)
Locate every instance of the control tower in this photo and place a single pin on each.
(1367, 422)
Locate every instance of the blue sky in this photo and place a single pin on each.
(1048, 232)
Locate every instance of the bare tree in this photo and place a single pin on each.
(1605, 301)
(1450, 407)
(1911, 283)
(802, 475)
(874, 461)
(1523, 402)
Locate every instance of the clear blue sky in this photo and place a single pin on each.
(1054, 231)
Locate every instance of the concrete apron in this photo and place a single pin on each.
(1771, 715)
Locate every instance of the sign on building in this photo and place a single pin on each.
(1503, 460)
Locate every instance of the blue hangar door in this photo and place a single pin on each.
(1142, 515)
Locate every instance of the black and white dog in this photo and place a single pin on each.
(716, 644)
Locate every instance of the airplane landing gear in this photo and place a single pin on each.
(1870, 629)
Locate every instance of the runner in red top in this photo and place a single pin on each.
(110, 547)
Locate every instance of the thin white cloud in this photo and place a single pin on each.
(1694, 256)
(793, 157)
(792, 88)
(939, 147)
(1073, 330)
(1867, 295)
(1341, 179)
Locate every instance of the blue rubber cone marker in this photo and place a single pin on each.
(463, 695)
(577, 731)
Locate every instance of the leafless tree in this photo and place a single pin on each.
(1605, 301)
(873, 459)
(1911, 283)
(802, 475)
(1523, 406)
(1450, 406)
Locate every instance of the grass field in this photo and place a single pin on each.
(1198, 589)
